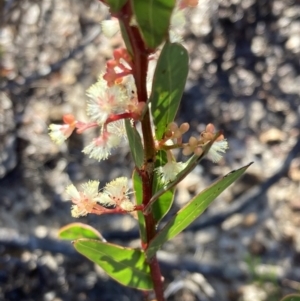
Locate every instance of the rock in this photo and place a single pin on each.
(232, 222)
(295, 204)
(256, 247)
(207, 236)
(32, 14)
(250, 220)
(243, 81)
(253, 292)
(259, 45)
(272, 135)
(293, 43)
(294, 171)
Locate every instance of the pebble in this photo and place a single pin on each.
(272, 135)
(293, 43)
(256, 247)
(294, 171)
(250, 220)
(253, 292)
(232, 222)
(208, 235)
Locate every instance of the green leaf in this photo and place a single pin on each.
(138, 192)
(168, 85)
(135, 144)
(192, 210)
(292, 297)
(78, 230)
(115, 5)
(163, 204)
(125, 265)
(125, 37)
(153, 18)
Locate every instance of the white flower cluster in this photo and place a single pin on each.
(90, 200)
(101, 147)
(104, 101)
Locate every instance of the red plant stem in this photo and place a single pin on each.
(157, 279)
(139, 207)
(139, 71)
(116, 117)
(81, 127)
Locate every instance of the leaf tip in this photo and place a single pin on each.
(249, 164)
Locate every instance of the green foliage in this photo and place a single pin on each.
(163, 204)
(125, 37)
(266, 280)
(153, 18)
(192, 210)
(138, 192)
(161, 207)
(125, 265)
(131, 267)
(78, 230)
(135, 143)
(292, 297)
(115, 5)
(168, 86)
(191, 164)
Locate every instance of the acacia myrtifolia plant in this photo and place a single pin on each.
(141, 88)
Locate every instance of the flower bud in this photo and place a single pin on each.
(184, 127)
(127, 206)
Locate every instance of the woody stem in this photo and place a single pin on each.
(140, 66)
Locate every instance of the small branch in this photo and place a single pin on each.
(81, 126)
(193, 162)
(116, 117)
(139, 71)
(156, 278)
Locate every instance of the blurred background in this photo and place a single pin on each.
(244, 78)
